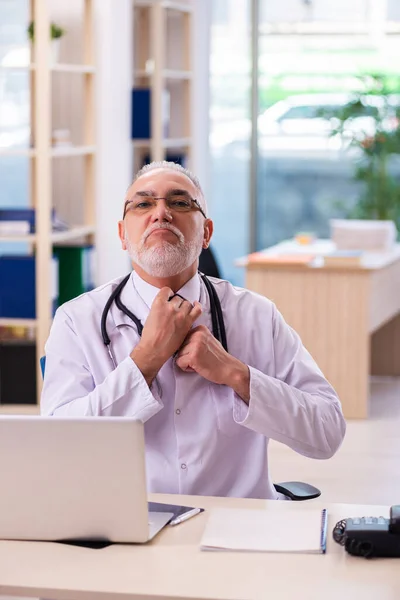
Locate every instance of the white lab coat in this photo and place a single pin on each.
(290, 400)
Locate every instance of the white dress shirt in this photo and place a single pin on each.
(201, 437)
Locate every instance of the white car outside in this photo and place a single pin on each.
(298, 124)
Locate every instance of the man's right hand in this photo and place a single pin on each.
(166, 327)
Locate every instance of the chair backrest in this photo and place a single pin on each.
(207, 263)
(42, 364)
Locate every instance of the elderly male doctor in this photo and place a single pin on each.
(208, 413)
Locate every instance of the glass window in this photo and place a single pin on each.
(310, 66)
(14, 107)
(393, 10)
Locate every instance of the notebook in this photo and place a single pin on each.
(285, 530)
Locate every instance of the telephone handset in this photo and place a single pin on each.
(370, 536)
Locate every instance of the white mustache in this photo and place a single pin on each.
(168, 226)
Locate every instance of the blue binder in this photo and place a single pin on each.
(21, 214)
(17, 287)
(141, 114)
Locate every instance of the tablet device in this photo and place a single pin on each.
(180, 513)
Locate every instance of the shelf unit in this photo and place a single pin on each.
(56, 68)
(18, 323)
(163, 61)
(166, 143)
(42, 155)
(61, 151)
(182, 7)
(174, 75)
(56, 237)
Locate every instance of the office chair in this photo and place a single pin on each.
(295, 490)
(207, 263)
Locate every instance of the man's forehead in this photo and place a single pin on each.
(162, 176)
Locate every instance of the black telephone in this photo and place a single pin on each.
(370, 536)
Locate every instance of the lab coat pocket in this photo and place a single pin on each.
(223, 398)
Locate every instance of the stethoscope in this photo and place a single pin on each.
(217, 318)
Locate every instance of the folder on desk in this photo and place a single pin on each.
(261, 258)
(283, 530)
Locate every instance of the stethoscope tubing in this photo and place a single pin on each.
(217, 318)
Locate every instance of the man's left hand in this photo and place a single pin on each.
(203, 354)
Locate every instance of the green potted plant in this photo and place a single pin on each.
(370, 122)
(56, 33)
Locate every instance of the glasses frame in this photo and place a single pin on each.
(193, 200)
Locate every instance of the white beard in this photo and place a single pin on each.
(165, 259)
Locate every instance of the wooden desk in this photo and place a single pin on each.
(348, 317)
(174, 567)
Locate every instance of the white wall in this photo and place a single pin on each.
(114, 160)
(201, 92)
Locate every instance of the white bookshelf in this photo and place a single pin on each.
(163, 62)
(55, 152)
(82, 69)
(70, 234)
(18, 323)
(166, 143)
(182, 7)
(177, 143)
(65, 151)
(42, 168)
(172, 74)
(30, 152)
(54, 68)
(176, 74)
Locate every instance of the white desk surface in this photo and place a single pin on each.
(320, 248)
(174, 567)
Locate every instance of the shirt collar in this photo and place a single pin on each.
(190, 291)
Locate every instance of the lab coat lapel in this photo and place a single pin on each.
(205, 317)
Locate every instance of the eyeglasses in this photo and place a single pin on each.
(176, 201)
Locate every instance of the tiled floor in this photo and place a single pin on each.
(366, 469)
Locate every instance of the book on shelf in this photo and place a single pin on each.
(18, 286)
(141, 113)
(76, 270)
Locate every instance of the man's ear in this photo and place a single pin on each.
(208, 231)
(121, 233)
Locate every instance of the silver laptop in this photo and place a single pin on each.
(67, 478)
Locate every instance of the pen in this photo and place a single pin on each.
(185, 516)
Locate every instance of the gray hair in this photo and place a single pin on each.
(172, 166)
